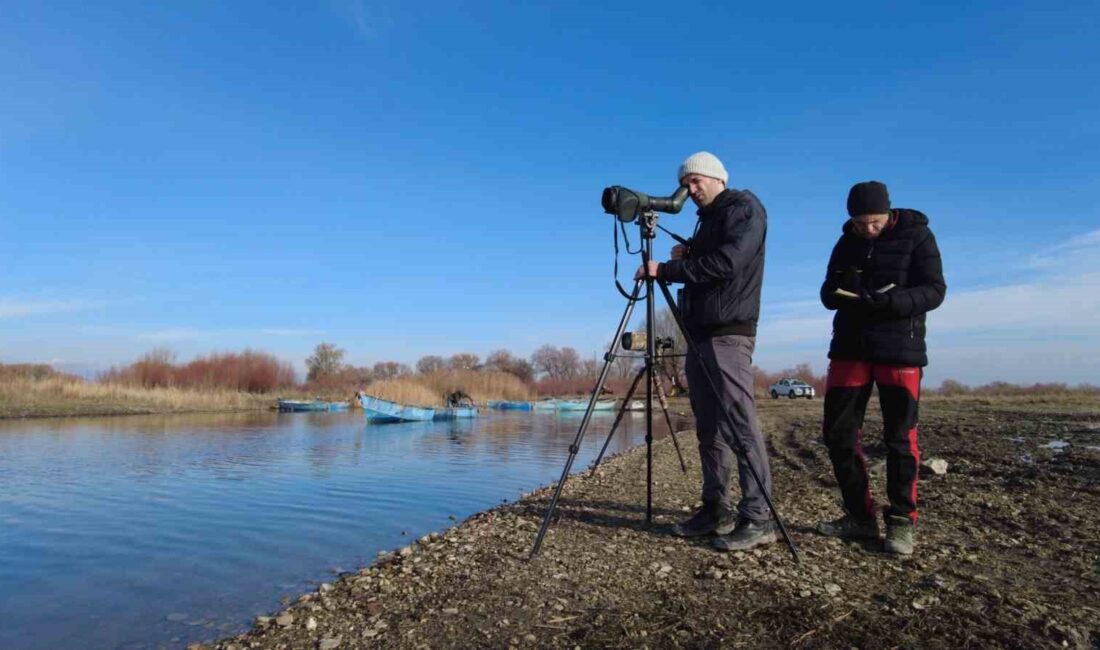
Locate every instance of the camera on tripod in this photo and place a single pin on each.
(635, 342)
(626, 203)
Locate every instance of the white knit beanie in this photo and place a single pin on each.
(706, 164)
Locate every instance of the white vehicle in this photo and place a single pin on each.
(792, 388)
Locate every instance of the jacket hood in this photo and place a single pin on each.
(905, 217)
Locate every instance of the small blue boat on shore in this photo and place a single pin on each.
(571, 405)
(508, 405)
(377, 409)
(298, 405)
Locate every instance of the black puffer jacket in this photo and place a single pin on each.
(905, 255)
(724, 270)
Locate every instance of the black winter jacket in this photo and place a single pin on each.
(724, 270)
(892, 332)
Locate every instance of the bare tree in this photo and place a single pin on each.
(324, 362)
(430, 363)
(390, 370)
(504, 361)
(463, 361)
(545, 360)
(569, 363)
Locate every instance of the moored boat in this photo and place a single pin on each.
(298, 405)
(549, 404)
(455, 412)
(576, 405)
(508, 405)
(377, 409)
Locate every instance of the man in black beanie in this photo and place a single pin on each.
(884, 275)
(723, 271)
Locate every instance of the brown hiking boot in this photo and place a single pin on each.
(900, 535)
(850, 527)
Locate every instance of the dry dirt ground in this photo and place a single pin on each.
(1008, 554)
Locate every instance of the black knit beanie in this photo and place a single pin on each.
(868, 198)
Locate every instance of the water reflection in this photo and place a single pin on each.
(165, 530)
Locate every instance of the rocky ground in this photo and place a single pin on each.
(1008, 554)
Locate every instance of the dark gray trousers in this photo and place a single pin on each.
(729, 359)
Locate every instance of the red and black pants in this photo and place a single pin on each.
(848, 388)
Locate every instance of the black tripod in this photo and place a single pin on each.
(647, 223)
(642, 372)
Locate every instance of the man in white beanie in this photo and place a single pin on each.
(722, 270)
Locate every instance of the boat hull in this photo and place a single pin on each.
(377, 409)
(455, 413)
(505, 405)
(301, 406)
(603, 405)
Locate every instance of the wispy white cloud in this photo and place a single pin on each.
(1074, 252)
(14, 308)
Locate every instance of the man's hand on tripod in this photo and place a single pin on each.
(641, 272)
(679, 252)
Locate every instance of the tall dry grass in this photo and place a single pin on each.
(432, 389)
(404, 391)
(62, 395)
(482, 385)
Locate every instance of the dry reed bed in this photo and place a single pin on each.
(431, 389)
(62, 395)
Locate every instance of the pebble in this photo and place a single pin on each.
(263, 620)
(832, 588)
(405, 551)
(934, 467)
(330, 644)
(285, 620)
(311, 624)
(325, 587)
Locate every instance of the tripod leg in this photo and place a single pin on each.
(618, 418)
(575, 447)
(739, 446)
(672, 432)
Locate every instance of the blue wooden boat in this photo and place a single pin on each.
(338, 406)
(455, 412)
(573, 405)
(377, 409)
(545, 405)
(508, 405)
(298, 405)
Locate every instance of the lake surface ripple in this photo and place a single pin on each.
(159, 531)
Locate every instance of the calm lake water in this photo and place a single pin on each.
(159, 531)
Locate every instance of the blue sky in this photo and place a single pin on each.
(406, 179)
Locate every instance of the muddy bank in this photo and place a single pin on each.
(1008, 555)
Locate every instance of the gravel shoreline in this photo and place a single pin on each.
(1008, 555)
